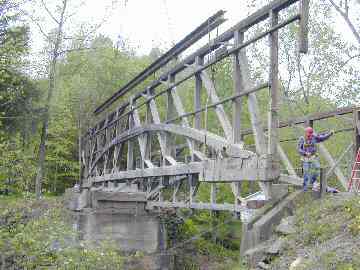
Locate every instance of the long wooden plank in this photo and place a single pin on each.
(201, 206)
(304, 26)
(326, 154)
(331, 170)
(142, 140)
(171, 170)
(220, 112)
(160, 135)
(311, 117)
(253, 108)
(274, 92)
(289, 167)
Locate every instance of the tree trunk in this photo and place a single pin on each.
(45, 122)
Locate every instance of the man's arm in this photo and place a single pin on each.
(323, 137)
(300, 147)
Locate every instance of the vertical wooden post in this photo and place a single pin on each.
(237, 105)
(148, 121)
(197, 94)
(323, 182)
(170, 114)
(274, 95)
(130, 150)
(304, 26)
(238, 88)
(356, 117)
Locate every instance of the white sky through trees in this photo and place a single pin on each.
(147, 24)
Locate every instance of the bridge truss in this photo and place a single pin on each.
(167, 154)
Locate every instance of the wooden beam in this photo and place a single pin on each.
(311, 117)
(326, 154)
(273, 138)
(142, 140)
(289, 167)
(238, 88)
(220, 112)
(331, 170)
(197, 95)
(160, 135)
(304, 26)
(356, 119)
(130, 150)
(200, 206)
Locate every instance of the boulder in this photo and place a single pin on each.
(286, 226)
(276, 247)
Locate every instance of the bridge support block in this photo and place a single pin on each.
(119, 202)
(259, 230)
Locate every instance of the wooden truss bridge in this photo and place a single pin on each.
(164, 156)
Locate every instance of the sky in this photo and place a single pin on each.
(143, 24)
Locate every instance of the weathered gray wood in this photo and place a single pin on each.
(332, 168)
(291, 179)
(200, 206)
(161, 136)
(304, 26)
(220, 112)
(130, 150)
(326, 154)
(197, 95)
(356, 124)
(142, 139)
(216, 59)
(220, 102)
(170, 113)
(259, 136)
(184, 121)
(236, 170)
(148, 121)
(238, 88)
(289, 167)
(323, 182)
(274, 95)
(312, 117)
(154, 192)
(214, 141)
(171, 170)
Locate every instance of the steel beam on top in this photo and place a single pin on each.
(202, 30)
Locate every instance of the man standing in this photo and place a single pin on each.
(308, 151)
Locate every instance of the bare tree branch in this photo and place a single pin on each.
(48, 11)
(38, 25)
(345, 15)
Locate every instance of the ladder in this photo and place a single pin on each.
(354, 182)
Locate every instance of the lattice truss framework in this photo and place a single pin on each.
(134, 148)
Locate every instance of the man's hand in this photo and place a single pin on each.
(307, 154)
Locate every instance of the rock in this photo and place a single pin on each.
(263, 265)
(286, 226)
(276, 247)
(296, 263)
(254, 255)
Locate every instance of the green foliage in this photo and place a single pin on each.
(352, 208)
(17, 165)
(311, 225)
(35, 234)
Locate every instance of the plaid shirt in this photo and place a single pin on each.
(309, 145)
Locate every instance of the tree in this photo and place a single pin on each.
(56, 43)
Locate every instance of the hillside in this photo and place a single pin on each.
(323, 234)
